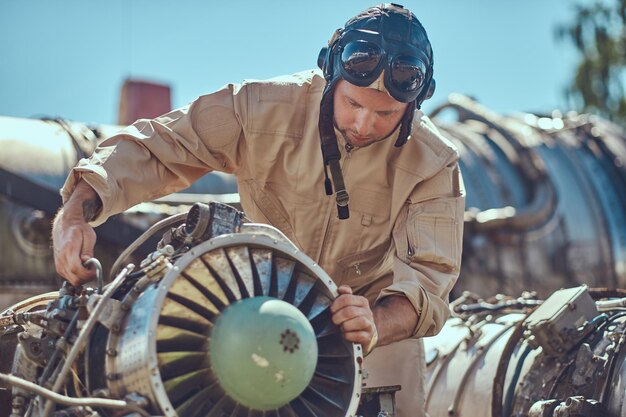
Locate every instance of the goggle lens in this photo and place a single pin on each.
(407, 73)
(361, 58)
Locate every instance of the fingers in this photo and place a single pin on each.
(358, 330)
(89, 242)
(344, 289)
(349, 312)
(346, 299)
(72, 247)
(361, 337)
(354, 316)
(70, 265)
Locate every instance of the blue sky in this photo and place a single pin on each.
(70, 58)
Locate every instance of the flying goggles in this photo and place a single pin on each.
(364, 54)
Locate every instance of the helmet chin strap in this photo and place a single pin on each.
(331, 154)
(406, 125)
(330, 147)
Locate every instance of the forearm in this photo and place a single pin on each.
(395, 319)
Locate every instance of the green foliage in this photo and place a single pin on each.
(598, 31)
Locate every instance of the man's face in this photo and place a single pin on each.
(365, 115)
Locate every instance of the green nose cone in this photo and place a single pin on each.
(263, 351)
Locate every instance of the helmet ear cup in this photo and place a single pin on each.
(322, 59)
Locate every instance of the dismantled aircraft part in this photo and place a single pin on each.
(546, 199)
(378, 401)
(519, 357)
(36, 157)
(562, 323)
(159, 339)
(26, 261)
(44, 151)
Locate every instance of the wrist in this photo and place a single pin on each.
(83, 204)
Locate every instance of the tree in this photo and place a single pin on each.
(599, 33)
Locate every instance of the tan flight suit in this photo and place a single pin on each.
(404, 233)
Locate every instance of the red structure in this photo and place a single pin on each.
(143, 99)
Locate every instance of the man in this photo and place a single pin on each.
(390, 235)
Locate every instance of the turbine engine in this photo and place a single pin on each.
(514, 357)
(225, 318)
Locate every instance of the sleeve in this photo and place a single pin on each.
(428, 237)
(153, 158)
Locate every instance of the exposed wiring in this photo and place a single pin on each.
(65, 400)
(144, 237)
(81, 340)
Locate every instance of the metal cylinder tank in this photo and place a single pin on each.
(546, 199)
(35, 158)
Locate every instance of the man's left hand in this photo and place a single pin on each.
(352, 313)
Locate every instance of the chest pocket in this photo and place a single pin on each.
(264, 207)
(370, 213)
(361, 268)
(365, 238)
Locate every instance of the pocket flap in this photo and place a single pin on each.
(374, 253)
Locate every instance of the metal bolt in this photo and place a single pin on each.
(35, 349)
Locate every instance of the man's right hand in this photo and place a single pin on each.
(73, 239)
